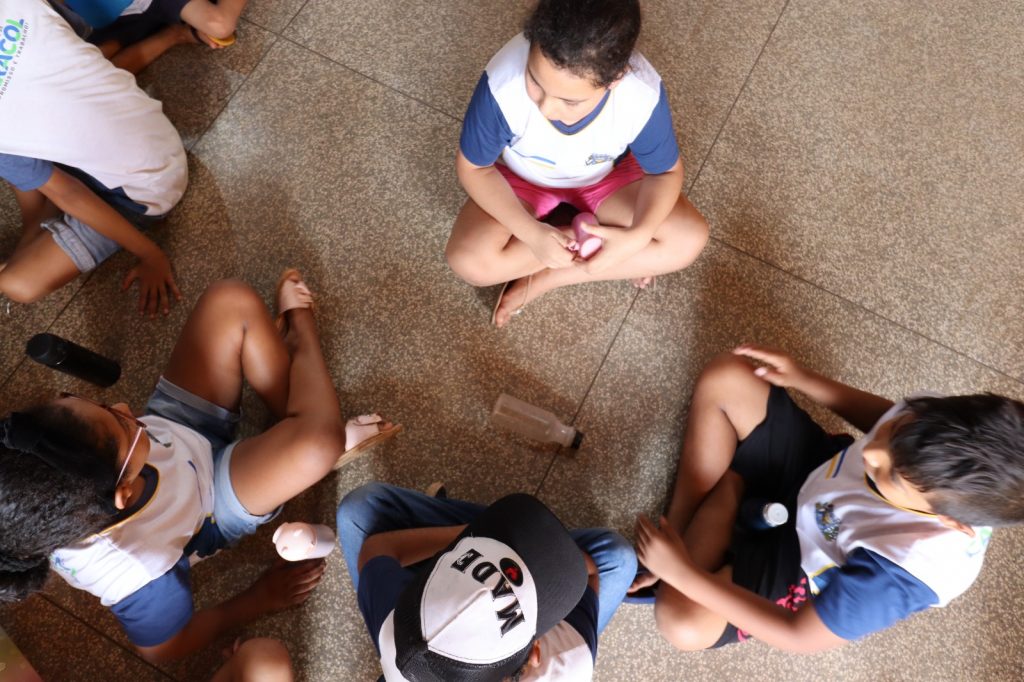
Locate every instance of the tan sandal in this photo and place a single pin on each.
(501, 297)
(364, 433)
(291, 294)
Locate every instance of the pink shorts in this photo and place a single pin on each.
(545, 199)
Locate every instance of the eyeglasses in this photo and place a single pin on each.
(122, 418)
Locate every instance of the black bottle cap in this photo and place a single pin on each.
(577, 440)
(47, 349)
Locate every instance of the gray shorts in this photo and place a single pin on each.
(86, 247)
(218, 426)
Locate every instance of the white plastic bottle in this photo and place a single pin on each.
(297, 541)
(533, 422)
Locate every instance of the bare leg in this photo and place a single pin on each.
(675, 245)
(138, 56)
(257, 660)
(37, 267)
(728, 404)
(483, 252)
(230, 337)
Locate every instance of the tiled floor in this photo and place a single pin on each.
(858, 162)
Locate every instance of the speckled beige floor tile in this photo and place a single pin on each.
(634, 419)
(272, 15)
(875, 152)
(60, 647)
(194, 81)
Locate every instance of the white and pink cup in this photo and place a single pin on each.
(587, 244)
(298, 541)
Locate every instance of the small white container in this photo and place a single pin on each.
(297, 541)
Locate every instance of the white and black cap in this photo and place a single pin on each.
(474, 613)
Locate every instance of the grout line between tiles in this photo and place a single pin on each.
(430, 106)
(586, 393)
(871, 312)
(739, 94)
(118, 645)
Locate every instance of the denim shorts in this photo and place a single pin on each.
(217, 425)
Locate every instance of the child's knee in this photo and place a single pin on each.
(690, 232)
(354, 505)
(621, 553)
(19, 288)
(264, 658)
(725, 369)
(681, 628)
(467, 264)
(319, 449)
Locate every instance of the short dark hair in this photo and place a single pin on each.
(57, 481)
(966, 453)
(590, 38)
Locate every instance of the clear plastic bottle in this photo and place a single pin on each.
(533, 422)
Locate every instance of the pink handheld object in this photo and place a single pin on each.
(588, 244)
(298, 541)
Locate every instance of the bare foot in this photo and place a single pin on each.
(517, 295)
(287, 583)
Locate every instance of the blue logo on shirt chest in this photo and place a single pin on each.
(828, 522)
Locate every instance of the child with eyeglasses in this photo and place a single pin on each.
(121, 507)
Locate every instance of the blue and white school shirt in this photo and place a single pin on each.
(62, 102)
(567, 651)
(139, 567)
(870, 563)
(502, 121)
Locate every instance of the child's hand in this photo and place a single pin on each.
(551, 248)
(620, 244)
(156, 283)
(661, 550)
(782, 370)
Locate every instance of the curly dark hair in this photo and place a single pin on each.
(966, 453)
(590, 38)
(57, 483)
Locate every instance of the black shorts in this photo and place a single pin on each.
(132, 28)
(774, 461)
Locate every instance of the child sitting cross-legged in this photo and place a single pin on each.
(879, 528)
(568, 112)
(121, 507)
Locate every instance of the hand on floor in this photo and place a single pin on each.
(156, 283)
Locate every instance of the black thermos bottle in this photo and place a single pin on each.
(70, 358)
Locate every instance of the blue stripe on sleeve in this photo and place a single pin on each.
(485, 130)
(655, 148)
(24, 172)
(157, 612)
(583, 619)
(869, 593)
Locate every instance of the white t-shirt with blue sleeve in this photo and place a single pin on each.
(503, 122)
(139, 566)
(63, 102)
(870, 563)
